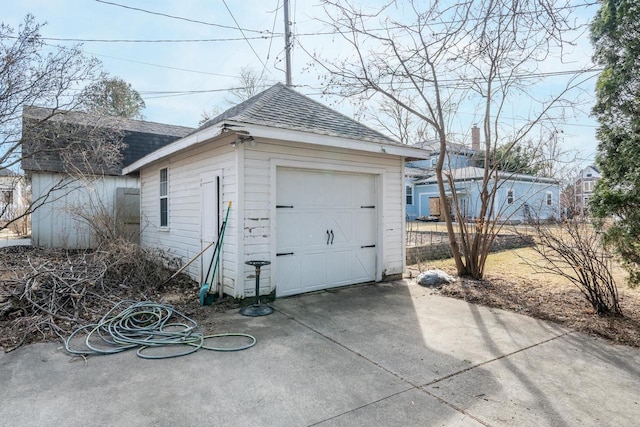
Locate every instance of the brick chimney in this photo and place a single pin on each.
(475, 138)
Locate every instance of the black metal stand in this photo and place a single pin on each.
(257, 309)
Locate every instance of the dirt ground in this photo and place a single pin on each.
(37, 305)
(510, 284)
(45, 294)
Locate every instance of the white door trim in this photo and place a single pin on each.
(379, 178)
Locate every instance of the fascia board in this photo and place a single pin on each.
(268, 132)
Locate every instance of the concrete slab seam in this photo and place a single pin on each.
(486, 362)
(361, 406)
(413, 386)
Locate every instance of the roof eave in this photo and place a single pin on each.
(269, 132)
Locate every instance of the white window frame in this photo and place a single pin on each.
(549, 198)
(164, 198)
(409, 194)
(587, 186)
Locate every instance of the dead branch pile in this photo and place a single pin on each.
(49, 292)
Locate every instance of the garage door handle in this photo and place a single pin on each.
(367, 246)
(332, 237)
(284, 253)
(368, 207)
(328, 237)
(284, 206)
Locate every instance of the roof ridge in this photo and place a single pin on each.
(262, 98)
(121, 120)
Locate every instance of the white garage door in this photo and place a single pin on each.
(326, 230)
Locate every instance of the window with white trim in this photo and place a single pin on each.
(164, 197)
(587, 186)
(510, 198)
(549, 198)
(409, 195)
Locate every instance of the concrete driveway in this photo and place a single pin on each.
(384, 354)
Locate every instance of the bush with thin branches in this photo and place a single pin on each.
(574, 250)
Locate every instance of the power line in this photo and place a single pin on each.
(243, 35)
(144, 63)
(152, 40)
(166, 15)
(273, 27)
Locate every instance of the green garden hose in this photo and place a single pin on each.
(146, 325)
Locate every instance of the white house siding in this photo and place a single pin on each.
(183, 236)
(263, 157)
(54, 223)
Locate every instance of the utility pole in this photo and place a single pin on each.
(287, 43)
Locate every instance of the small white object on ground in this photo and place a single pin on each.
(434, 278)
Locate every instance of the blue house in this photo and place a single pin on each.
(519, 197)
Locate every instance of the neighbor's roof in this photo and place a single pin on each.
(470, 173)
(433, 146)
(141, 137)
(7, 172)
(282, 107)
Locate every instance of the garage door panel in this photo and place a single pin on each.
(288, 233)
(318, 202)
(313, 268)
(364, 226)
(364, 264)
(288, 282)
(339, 262)
(313, 232)
(364, 191)
(340, 191)
(341, 223)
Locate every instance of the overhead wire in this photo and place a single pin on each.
(166, 15)
(95, 40)
(242, 32)
(273, 27)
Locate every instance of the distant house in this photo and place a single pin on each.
(14, 192)
(60, 196)
(315, 193)
(519, 197)
(584, 187)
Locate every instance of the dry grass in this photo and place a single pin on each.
(511, 284)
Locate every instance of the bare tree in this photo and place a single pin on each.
(249, 83)
(392, 118)
(33, 73)
(440, 56)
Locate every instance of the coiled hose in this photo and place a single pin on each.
(146, 325)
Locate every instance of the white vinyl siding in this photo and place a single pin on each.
(260, 161)
(248, 173)
(183, 238)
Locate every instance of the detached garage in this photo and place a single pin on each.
(317, 194)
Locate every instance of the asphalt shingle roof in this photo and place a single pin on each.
(282, 107)
(141, 137)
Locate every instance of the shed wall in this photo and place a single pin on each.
(57, 197)
(262, 157)
(183, 236)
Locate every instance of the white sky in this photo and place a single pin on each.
(214, 65)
